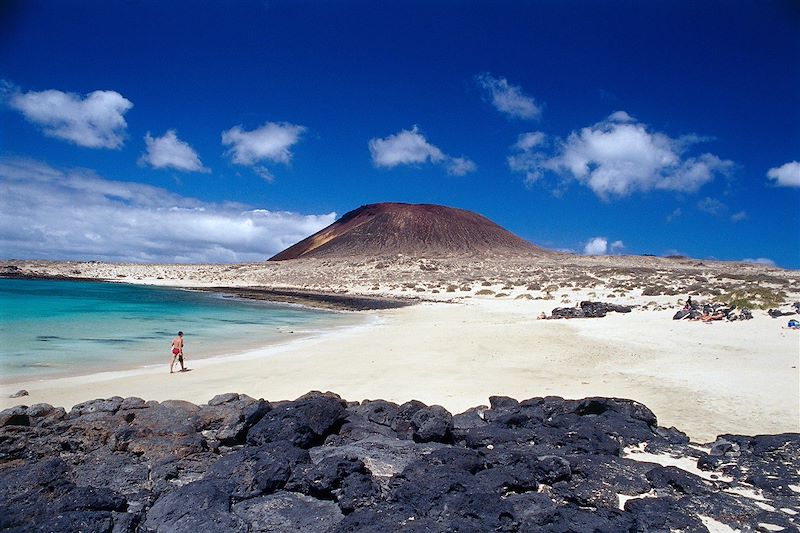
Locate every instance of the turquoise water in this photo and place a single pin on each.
(55, 328)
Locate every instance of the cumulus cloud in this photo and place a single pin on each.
(168, 151)
(407, 147)
(621, 116)
(508, 99)
(600, 246)
(786, 175)
(620, 156)
(51, 213)
(410, 147)
(272, 142)
(596, 246)
(94, 121)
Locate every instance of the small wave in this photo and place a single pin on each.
(47, 338)
(238, 322)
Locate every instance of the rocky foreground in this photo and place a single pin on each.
(321, 464)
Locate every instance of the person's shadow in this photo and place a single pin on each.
(186, 370)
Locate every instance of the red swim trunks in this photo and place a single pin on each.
(175, 351)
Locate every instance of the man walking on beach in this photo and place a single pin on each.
(177, 351)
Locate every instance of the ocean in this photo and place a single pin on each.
(61, 328)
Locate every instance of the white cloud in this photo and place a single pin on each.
(508, 99)
(786, 175)
(621, 116)
(524, 160)
(410, 147)
(619, 156)
(739, 216)
(264, 173)
(677, 212)
(170, 152)
(460, 166)
(406, 147)
(50, 213)
(527, 141)
(596, 246)
(600, 246)
(759, 261)
(94, 121)
(712, 206)
(271, 142)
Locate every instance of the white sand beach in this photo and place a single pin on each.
(705, 379)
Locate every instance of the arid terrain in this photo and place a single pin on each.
(618, 278)
(474, 331)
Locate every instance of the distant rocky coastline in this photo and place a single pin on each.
(320, 300)
(320, 464)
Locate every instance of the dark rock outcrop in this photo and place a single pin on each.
(319, 464)
(587, 309)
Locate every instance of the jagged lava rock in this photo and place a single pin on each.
(320, 464)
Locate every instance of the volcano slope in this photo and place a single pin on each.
(420, 230)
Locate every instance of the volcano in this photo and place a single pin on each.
(421, 230)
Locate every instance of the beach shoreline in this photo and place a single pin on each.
(134, 373)
(459, 355)
(457, 349)
(295, 296)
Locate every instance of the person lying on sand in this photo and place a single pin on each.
(177, 351)
(716, 316)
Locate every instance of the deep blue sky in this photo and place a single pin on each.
(725, 74)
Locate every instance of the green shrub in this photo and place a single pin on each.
(754, 298)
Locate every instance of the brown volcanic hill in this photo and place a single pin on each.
(411, 229)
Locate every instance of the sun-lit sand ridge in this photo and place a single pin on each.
(476, 335)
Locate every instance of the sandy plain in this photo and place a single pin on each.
(473, 332)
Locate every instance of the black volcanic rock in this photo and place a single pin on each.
(587, 309)
(303, 423)
(319, 464)
(420, 230)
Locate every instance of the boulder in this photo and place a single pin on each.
(432, 424)
(401, 423)
(288, 512)
(256, 471)
(304, 422)
(199, 506)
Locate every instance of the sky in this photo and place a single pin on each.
(153, 131)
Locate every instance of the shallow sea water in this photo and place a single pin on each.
(59, 328)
